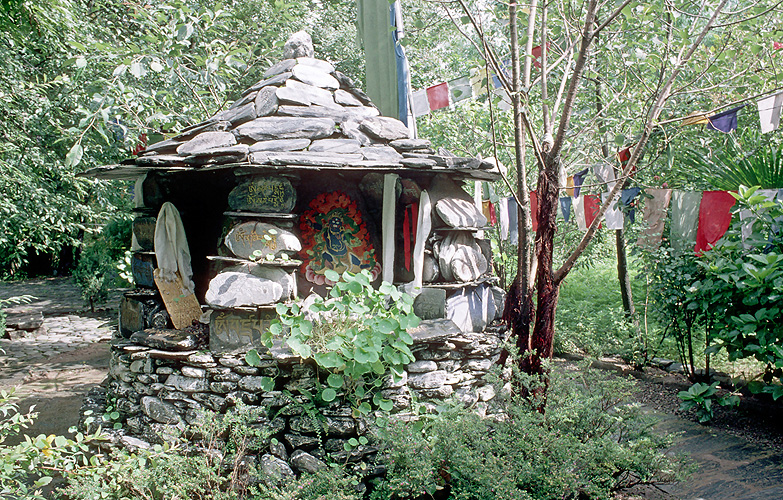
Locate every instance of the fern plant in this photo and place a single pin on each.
(731, 167)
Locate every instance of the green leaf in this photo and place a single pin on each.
(332, 275)
(300, 349)
(329, 360)
(335, 380)
(252, 358)
(328, 394)
(81, 62)
(74, 156)
(267, 384)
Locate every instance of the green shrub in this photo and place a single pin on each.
(97, 269)
(702, 398)
(589, 442)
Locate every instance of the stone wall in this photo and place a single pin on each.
(160, 391)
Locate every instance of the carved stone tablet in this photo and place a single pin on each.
(237, 331)
(263, 194)
(246, 238)
(232, 289)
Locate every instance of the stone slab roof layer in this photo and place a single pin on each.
(303, 113)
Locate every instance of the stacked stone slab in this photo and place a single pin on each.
(159, 383)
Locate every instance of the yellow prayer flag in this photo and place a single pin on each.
(695, 118)
(570, 186)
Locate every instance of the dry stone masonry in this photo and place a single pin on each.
(300, 176)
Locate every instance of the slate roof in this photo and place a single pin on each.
(303, 113)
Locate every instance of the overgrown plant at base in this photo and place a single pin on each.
(590, 442)
(703, 397)
(357, 336)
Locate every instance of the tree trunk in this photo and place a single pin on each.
(622, 276)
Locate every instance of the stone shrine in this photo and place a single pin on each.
(298, 176)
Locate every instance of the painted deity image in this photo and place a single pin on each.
(335, 237)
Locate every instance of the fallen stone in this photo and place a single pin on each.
(284, 127)
(385, 128)
(205, 141)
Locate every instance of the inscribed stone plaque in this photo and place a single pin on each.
(238, 330)
(248, 237)
(263, 194)
(144, 231)
(181, 303)
(430, 304)
(131, 316)
(142, 267)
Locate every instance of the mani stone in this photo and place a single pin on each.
(205, 141)
(430, 304)
(264, 195)
(286, 280)
(248, 237)
(131, 316)
(459, 213)
(460, 258)
(142, 267)
(168, 340)
(237, 330)
(430, 269)
(285, 127)
(144, 232)
(312, 75)
(385, 128)
(232, 289)
(280, 145)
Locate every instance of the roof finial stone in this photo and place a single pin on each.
(300, 44)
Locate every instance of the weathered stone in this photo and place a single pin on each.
(441, 392)
(285, 279)
(144, 232)
(320, 64)
(141, 366)
(485, 393)
(226, 154)
(260, 239)
(263, 194)
(346, 98)
(300, 44)
(433, 331)
(285, 127)
(418, 162)
(133, 444)
(202, 359)
(350, 129)
(422, 366)
(430, 303)
(227, 377)
(460, 213)
(313, 75)
(170, 355)
(167, 146)
(131, 316)
(280, 145)
(283, 66)
(252, 384)
(429, 380)
(390, 383)
(313, 159)
(222, 387)
(277, 449)
(172, 340)
(410, 144)
(360, 113)
(186, 384)
(312, 112)
(240, 115)
(380, 153)
(266, 102)
(159, 411)
(340, 426)
(273, 81)
(430, 268)
(298, 441)
(275, 470)
(304, 94)
(305, 425)
(235, 330)
(207, 140)
(385, 128)
(229, 362)
(190, 371)
(467, 264)
(335, 146)
(478, 365)
(304, 462)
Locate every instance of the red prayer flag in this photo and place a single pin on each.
(777, 45)
(592, 204)
(714, 218)
(438, 96)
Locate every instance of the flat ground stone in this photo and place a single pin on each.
(285, 127)
(248, 237)
(263, 194)
(207, 140)
(385, 128)
(231, 289)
